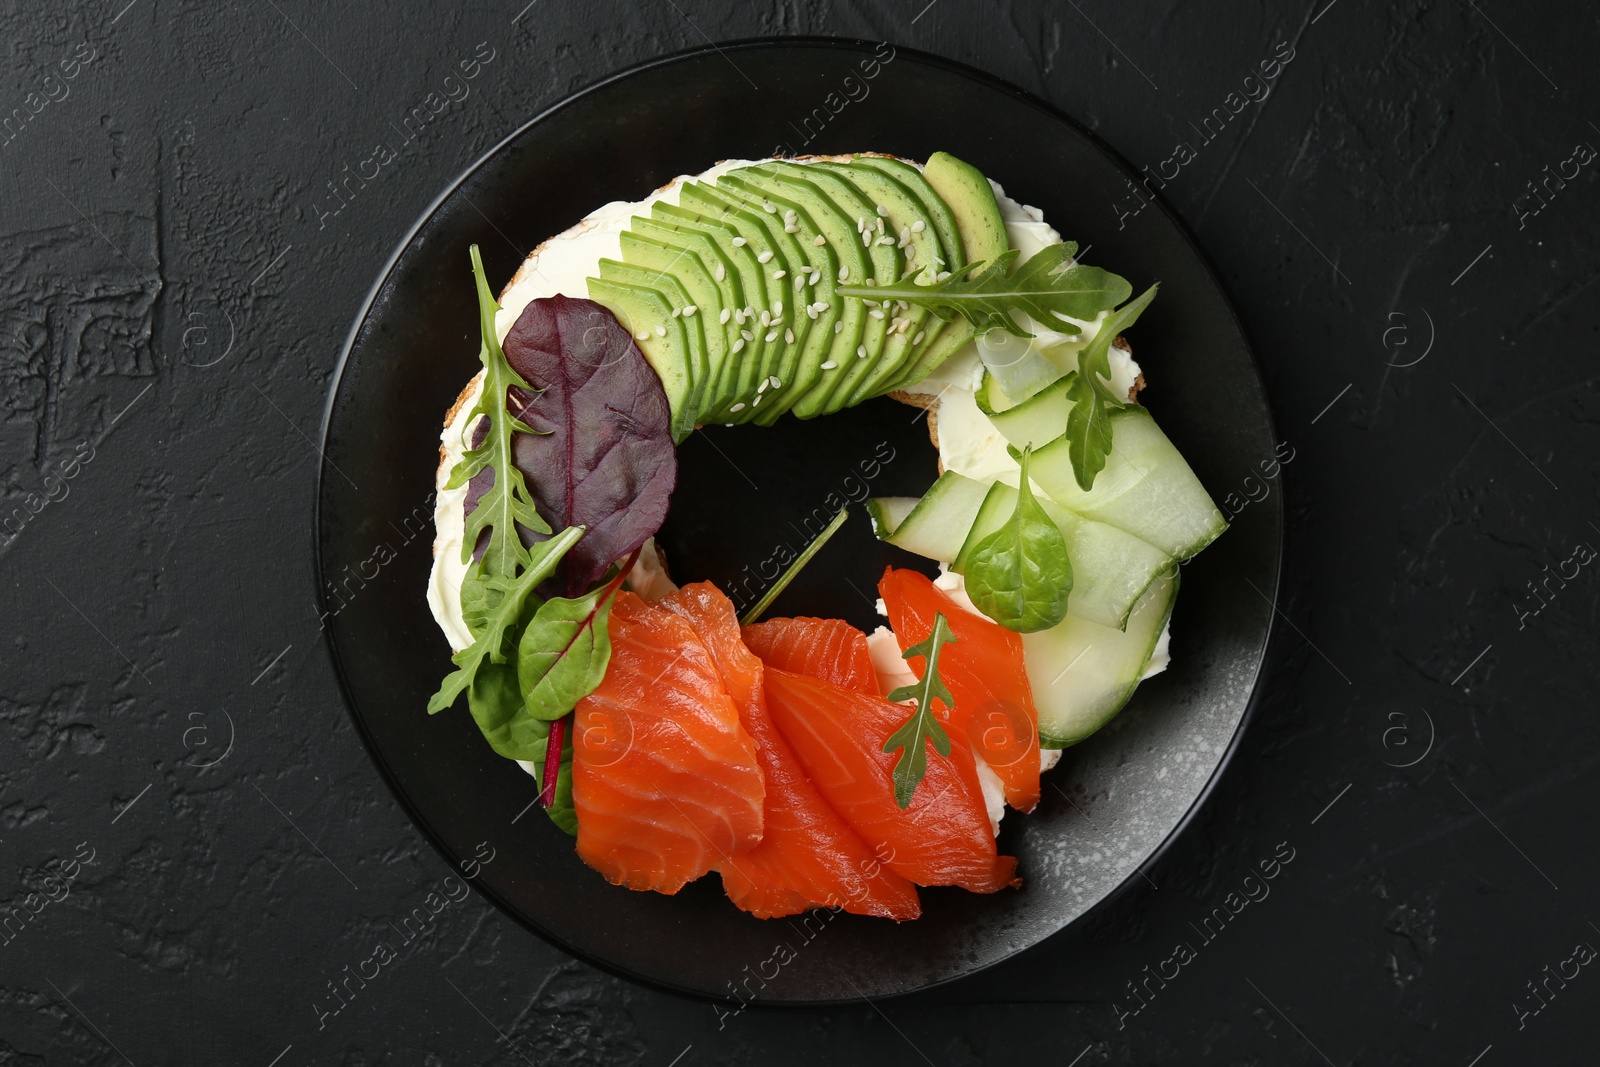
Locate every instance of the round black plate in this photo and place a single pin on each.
(744, 492)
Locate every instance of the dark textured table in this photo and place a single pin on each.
(194, 847)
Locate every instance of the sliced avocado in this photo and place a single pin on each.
(647, 314)
(789, 320)
(849, 317)
(907, 224)
(824, 260)
(898, 219)
(937, 210)
(745, 351)
(752, 226)
(677, 298)
(705, 296)
(835, 392)
(972, 202)
(724, 273)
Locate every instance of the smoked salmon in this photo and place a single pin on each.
(821, 648)
(984, 671)
(666, 781)
(808, 856)
(942, 838)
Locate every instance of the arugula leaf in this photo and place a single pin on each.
(564, 652)
(922, 726)
(795, 568)
(491, 640)
(507, 501)
(1089, 422)
(1050, 286)
(1020, 575)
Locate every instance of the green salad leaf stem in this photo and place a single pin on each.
(794, 568)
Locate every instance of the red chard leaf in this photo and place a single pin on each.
(601, 455)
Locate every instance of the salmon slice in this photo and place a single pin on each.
(984, 672)
(808, 856)
(943, 838)
(666, 782)
(831, 649)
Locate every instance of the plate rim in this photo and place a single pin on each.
(745, 44)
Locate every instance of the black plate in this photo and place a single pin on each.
(415, 345)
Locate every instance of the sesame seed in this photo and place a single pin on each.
(819, 240)
(727, 313)
(747, 335)
(738, 345)
(917, 340)
(905, 234)
(777, 307)
(872, 281)
(790, 215)
(811, 311)
(880, 223)
(756, 402)
(788, 336)
(829, 365)
(779, 273)
(886, 240)
(763, 386)
(772, 336)
(642, 335)
(918, 226)
(738, 242)
(866, 240)
(790, 227)
(661, 331)
(769, 207)
(876, 313)
(905, 242)
(749, 312)
(844, 274)
(799, 282)
(861, 223)
(690, 309)
(942, 275)
(722, 272)
(766, 317)
(861, 351)
(676, 312)
(737, 407)
(882, 211)
(763, 257)
(776, 382)
(838, 327)
(869, 303)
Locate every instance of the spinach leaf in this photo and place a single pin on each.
(1089, 422)
(491, 644)
(923, 726)
(598, 449)
(1020, 575)
(1050, 286)
(564, 652)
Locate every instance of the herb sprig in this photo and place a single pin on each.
(1051, 287)
(922, 728)
(1089, 422)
